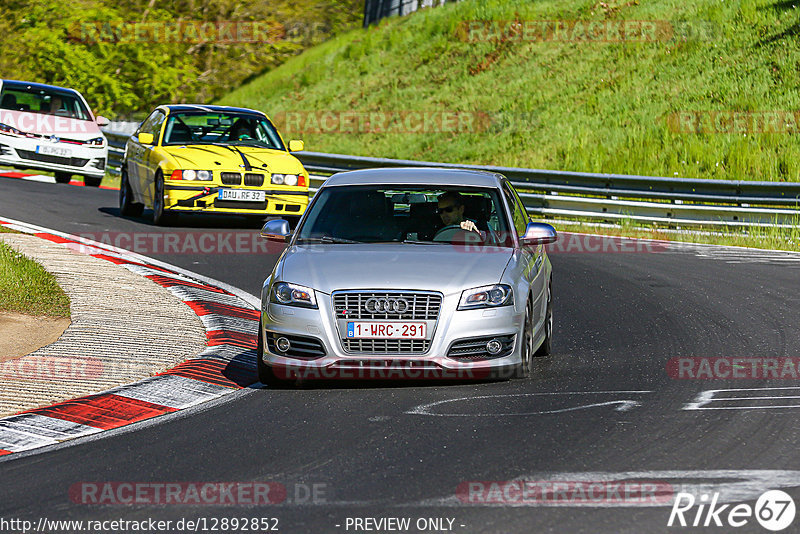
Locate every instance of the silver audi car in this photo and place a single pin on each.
(416, 273)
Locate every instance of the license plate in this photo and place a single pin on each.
(53, 150)
(245, 195)
(389, 330)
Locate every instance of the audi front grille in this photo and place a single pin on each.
(361, 305)
(386, 346)
(420, 305)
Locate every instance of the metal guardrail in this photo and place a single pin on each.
(600, 197)
(116, 150)
(375, 10)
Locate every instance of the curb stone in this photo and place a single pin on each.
(227, 364)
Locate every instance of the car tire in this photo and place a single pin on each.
(547, 345)
(92, 181)
(126, 204)
(266, 374)
(160, 216)
(523, 370)
(62, 177)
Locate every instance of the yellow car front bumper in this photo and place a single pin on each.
(180, 197)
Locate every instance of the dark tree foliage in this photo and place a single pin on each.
(129, 56)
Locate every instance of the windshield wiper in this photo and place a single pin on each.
(413, 242)
(326, 239)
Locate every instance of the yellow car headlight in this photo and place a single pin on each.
(191, 174)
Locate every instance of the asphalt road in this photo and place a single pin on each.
(602, 408)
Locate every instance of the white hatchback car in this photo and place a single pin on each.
(51, 128)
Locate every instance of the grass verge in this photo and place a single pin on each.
(570, 103)
(25, 287)
(773, 238)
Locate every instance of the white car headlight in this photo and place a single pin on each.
(277, 179)
(97, 142)
(486, 297)
(293, 295)
(191, 174)
(290, 179)
(9, 130)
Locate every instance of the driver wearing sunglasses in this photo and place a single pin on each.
(451, 210)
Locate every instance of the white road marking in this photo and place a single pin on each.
(710, 396)
(41, 425)
(213, 321)
(622, 404)
(192, 293)
(172, 391)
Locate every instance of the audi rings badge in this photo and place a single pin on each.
(384, 305)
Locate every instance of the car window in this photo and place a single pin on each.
(520, 205)
(44, 101)
(221, 128)
(405, 213)
(152, 125)
(518, 214)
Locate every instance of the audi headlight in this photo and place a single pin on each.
(293, 295)
(486, 297)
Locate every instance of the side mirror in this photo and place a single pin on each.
(538, 234)
(276, 230)
(295, 145)
(146, 138)
(102, 121)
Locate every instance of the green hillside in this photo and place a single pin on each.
(558, 100)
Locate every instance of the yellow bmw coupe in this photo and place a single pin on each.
(215, 159)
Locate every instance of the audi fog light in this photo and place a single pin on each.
(293, 295)
(486, 297)
(283, 344)
(494, 347)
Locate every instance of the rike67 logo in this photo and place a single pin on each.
(774, 510)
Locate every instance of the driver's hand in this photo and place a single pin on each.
(469, 226)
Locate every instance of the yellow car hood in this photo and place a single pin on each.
(218, 158)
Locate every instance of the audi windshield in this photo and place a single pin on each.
(419, 214)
